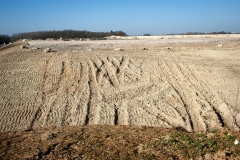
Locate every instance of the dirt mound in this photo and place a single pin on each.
(118, 142)
(163, 87)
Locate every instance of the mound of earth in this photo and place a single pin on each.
(118, 142)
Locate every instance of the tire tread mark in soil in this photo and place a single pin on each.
(121, 69)
(99, 64)
(206, 96)
(220, 118)
(88, 105)
(99, 72)
(180, 96)
(200, 121)
(189, 78)
(184, 119)
(95, 96)
(237, 97)
(85, 85)
(79, 96)
(39, 110)
(47, 108)
(116, 115)
(67, 70)
(109, 71)
(116, 63)
(56, 90)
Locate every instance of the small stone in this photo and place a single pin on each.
(26, 43)
(220, 45)
(140, 148)
(220, 155)
(44, 136)
(75, 146)
(236, 142)
(89, 49)
(118, 49)
(23, 46)
(47, 50)
(208, 156)
(34, 48)
(210, 135)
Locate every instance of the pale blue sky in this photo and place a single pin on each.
(135, 17)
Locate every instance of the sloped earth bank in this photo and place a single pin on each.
(118, 142)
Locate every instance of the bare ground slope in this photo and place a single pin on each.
(194, 85)
(118, 142)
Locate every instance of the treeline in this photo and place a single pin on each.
(4, 39)
(199, 33)
(65, 34)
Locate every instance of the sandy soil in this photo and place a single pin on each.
(189, 82)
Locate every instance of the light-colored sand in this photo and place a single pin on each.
(192, 82)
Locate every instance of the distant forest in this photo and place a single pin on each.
(201, 33)
(65, 34)
(72, 34)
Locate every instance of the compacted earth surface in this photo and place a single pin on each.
(167, 97)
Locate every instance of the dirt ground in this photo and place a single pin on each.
(118, 142)
(187, 82)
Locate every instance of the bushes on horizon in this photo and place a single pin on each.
(65, 34)
(200, 33)
(4, 39)
(147, 34)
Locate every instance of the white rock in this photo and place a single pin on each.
(210, 135)
(118, 49)
(236, 142)
(208, 156)
(47, 50)
(23, 46)
(34, 48)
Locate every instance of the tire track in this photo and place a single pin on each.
(205, 117)
(78, 89)
(110, 72)
(39, 111)
(79, 100)
(95, 97)
(224, 111)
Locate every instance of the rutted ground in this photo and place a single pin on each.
(189, 86)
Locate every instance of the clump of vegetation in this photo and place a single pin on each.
(199, 144)
(147, 34)
(4, 39)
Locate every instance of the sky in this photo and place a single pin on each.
(134, 17)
